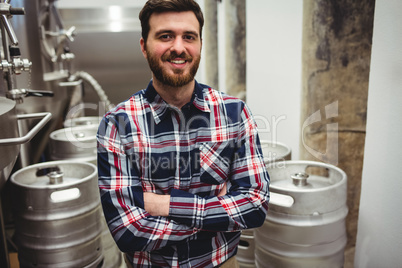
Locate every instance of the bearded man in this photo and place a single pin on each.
(181, 171)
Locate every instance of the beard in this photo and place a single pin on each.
(178, 78)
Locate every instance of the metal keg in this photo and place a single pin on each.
(82, 121)
(245, 250)
(275, 151)
(305, 224)
(79, 143)
(113, 257)
(272, 152)
(56, 207)
(74, 143)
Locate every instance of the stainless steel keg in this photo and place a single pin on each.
(275, 151)
(272, 152)
(57, 209)
(113, 257)
(74, 143)
(82, 121)
(305, 224)
(78, 143)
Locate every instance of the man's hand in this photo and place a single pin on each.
(223, 191)
(156, 204)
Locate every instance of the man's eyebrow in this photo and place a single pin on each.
(163, 31)
(192, 32)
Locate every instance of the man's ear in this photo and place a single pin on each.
(143, 47)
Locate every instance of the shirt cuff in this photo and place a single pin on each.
(186, 208)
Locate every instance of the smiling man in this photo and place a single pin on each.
(181, 171)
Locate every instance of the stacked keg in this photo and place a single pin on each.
(305, 224)
(82, 121)
(272, 152)
(77, 142)
(74, 143)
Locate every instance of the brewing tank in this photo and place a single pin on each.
(38, 32)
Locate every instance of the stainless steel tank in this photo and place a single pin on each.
(272, 152)
(43, 42)
(8, 117)
(305, 224)
(57, 208)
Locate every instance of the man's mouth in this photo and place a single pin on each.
(174, 58)
(177, 61)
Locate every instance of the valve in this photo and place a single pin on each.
(19, 94)
(16, 64)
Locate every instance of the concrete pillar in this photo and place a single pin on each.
(235, 23)
(210, 42)
(337, 38)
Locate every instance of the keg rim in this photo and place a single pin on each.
(91, 119)
(55, 134)
(50, 164)
(288, 148)
(283, 164)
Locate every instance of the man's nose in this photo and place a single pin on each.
(178, 46)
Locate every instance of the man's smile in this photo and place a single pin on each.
(178, 61)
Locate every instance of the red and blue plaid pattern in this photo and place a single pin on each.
(145, 145)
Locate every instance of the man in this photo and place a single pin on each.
(181, 171)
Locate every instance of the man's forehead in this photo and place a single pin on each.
(185, 20)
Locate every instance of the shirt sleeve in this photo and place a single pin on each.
(246, 203)
(133, 228)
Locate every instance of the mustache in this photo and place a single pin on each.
(174, 55)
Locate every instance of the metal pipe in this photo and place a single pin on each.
(15, 141)
(9, 30)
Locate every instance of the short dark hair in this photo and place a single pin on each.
(160, 6)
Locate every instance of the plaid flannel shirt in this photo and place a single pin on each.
(145, 145)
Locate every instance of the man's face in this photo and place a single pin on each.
(173, 47)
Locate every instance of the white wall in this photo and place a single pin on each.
(379, 237)
(274, 45)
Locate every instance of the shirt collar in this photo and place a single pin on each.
(159, 107)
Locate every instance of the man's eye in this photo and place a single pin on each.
(189, 37)
(165, 36)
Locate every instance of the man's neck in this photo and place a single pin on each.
(175, 96)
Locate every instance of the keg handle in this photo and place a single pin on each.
(15, 141)
(65, 195)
